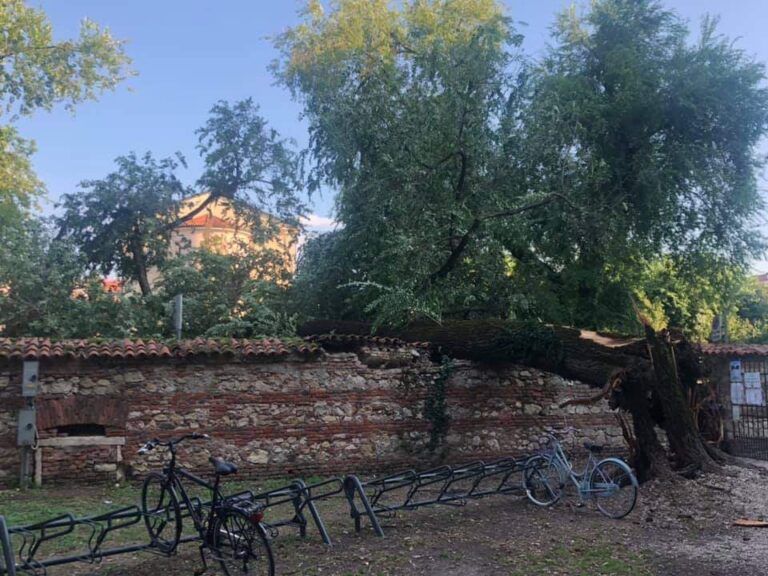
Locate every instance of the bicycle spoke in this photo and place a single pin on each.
(240, 546)
(161, 513)
(614, 488)
(542, 481)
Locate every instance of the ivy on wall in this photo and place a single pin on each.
(436, 406)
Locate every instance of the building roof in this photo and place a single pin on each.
(112, 284)
(735, 349)
(44, 348)
(207, 221)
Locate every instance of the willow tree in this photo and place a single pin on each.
(654, 136)
(412, 117)
(473, 183)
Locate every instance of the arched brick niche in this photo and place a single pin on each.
(80, 438)
(76, 415)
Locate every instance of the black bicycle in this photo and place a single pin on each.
(231, 530)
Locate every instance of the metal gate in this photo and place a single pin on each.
(749, 409)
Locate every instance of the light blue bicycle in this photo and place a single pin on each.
(610, 483)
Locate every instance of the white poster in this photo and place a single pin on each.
(735, 370)
(754, 396)
(752, 380)
(737, 393)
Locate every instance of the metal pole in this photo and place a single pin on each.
(178, 314)
(24, 475)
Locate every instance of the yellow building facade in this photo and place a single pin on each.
(219, 228)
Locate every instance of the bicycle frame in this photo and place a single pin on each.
(174, 473)
(561, 461)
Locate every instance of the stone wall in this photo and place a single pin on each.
(332, 413)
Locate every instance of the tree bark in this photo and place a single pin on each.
(684, 439)
(137, 252)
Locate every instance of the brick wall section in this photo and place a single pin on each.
(10, 402)
(339, 412)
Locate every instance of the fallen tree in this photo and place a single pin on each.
(646, 377)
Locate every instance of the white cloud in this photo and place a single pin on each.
(317, 223)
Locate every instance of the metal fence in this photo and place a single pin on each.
(750, 415)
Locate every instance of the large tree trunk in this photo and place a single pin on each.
(641, 375)
(684, 439)
(137, 252)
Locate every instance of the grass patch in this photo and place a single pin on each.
(584, 558)
(24, 508)
(28, 507)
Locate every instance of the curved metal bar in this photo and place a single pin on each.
(353, 487)
(7, 563)
(130, 515)
(309, 500)
(61, 526)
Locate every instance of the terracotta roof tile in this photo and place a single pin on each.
(44, 348)
(735, 349)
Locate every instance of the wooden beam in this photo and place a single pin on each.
(68, 441)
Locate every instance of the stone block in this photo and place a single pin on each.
(258, 457)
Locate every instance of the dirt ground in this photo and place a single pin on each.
(681, 528)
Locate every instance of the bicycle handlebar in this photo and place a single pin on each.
(155, 442)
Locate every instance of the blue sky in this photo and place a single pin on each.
(191, 53)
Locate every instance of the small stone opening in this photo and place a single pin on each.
(81, 430)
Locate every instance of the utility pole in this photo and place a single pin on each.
(178, 314)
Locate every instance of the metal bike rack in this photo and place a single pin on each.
(33, 536)
(101, 526)
(20, 546)
(301, 496)
(29, 539)
(445, 485)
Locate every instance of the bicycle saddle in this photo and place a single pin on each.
(222, 467)
(593, 447)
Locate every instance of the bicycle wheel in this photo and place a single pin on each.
(162, 515)
(241, 545)
(614, 488)
(542, 481)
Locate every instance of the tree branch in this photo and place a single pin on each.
(455, 255)
(548, 199)
(191, 214)
(34, 49)
(615, 380)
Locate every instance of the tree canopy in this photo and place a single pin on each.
(616, 172)
(38, 72)
(48, 289)
(475, 182)
(124, 223)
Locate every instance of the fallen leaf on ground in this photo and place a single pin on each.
(751, 523)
